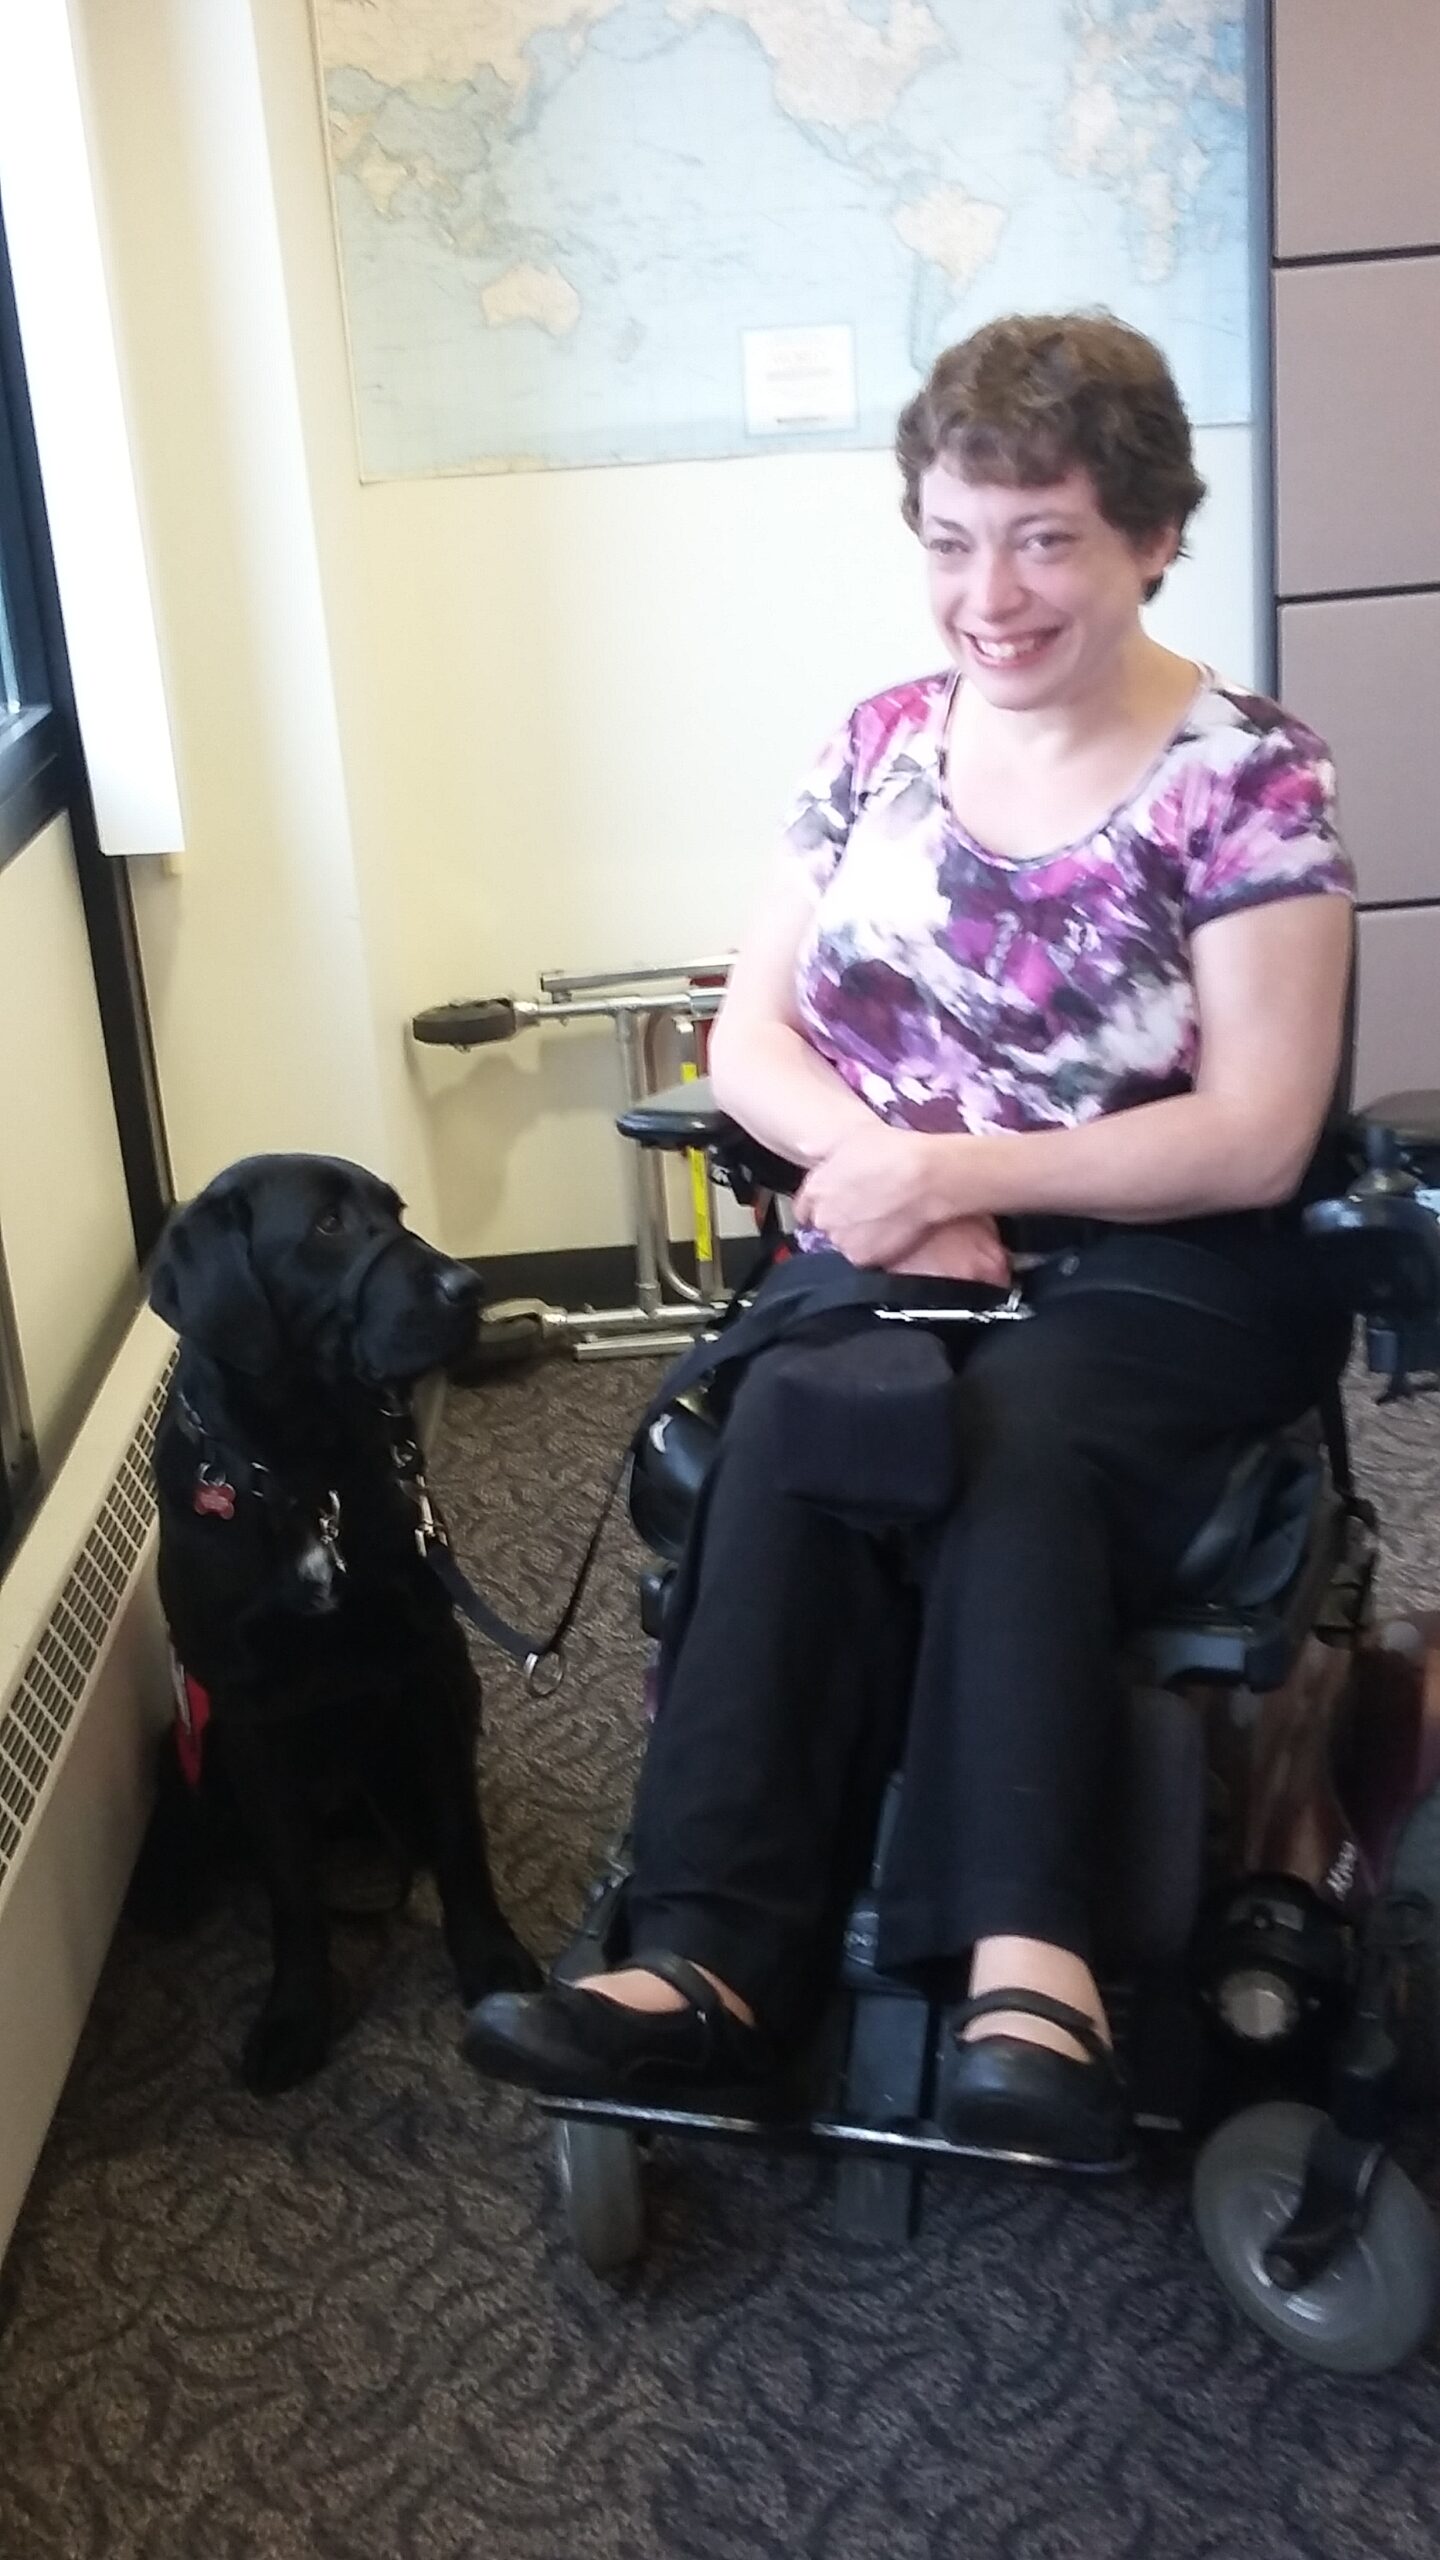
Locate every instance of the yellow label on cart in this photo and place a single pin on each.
(699, 1188)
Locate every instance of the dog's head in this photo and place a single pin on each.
(299, 1263)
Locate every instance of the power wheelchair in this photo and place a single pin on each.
(1272, 1973)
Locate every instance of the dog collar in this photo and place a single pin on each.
(223, 1474)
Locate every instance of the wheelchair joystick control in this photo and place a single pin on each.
(1386, 1173)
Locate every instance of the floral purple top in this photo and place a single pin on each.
(958, 989)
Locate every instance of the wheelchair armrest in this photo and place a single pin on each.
(1395, 1219)
(686, 1116)
(1383, 1254)
(683, 1116)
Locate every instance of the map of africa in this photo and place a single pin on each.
(601, 231)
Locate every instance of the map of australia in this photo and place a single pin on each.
(606, 231)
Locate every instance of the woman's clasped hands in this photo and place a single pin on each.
(885, 1198)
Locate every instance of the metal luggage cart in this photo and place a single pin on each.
(645, 1007)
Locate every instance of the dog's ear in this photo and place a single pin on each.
(204, 1283)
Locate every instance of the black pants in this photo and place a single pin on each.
(1093, 1440)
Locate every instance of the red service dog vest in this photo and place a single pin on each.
(192, 1715)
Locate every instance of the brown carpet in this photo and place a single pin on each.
(347, 2325)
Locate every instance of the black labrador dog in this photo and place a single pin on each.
(313, 1642)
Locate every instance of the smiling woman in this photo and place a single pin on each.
(1060, 932)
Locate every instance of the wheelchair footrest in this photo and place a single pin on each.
(888, 2065)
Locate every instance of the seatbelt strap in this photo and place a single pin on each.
(1129, 1262)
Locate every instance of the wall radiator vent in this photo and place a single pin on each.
(57, 1676)
(84, 1690)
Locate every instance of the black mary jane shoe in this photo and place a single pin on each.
(571, 2043)
(1026, 2102)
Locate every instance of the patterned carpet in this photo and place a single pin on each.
(347, 2325)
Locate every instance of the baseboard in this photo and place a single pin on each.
(601, 1275)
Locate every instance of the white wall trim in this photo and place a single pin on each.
(70, 358)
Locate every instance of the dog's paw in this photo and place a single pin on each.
(285, 2046)
(496, 1962)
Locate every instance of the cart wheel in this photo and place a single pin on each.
(1380, 2297)
(474, 1023)
(598, 2166)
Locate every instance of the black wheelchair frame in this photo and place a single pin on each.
(1274, 1968)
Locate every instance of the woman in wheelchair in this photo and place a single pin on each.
(1055, 955)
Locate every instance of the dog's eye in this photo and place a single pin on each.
(329, 1223)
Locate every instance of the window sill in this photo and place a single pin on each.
(32, 778)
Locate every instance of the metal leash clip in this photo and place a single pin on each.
(327, 1529)
(429, 1528)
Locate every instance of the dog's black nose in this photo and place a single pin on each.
(459, 1286)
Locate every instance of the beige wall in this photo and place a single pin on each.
(63, 1211)
(257, 955)
(437, 736)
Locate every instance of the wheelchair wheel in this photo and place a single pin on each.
(598, 2166)
(1374, 2305)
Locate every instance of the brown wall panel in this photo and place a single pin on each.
(1357, 114)
(1366, 674)
(1398, 1042)
(1357, 425)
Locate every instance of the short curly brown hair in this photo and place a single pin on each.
(1027, 399)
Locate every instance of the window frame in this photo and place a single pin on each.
(43, 777)
(32, 774)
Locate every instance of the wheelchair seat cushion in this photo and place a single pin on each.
(868, 1425)
(869, 1429)
(811, 1295)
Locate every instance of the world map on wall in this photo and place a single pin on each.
(604, 231)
